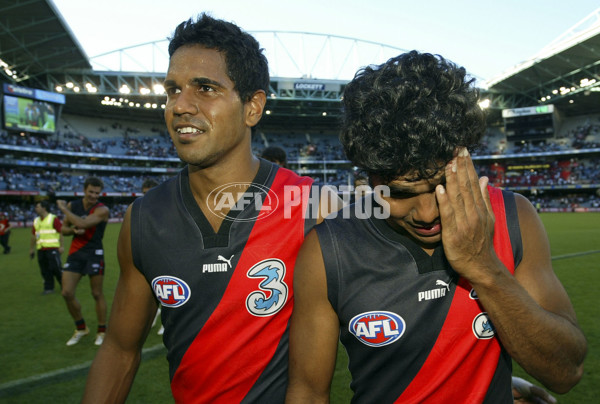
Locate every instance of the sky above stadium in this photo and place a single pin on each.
(486, 36)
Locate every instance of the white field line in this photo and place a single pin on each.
(573, 255)
(63, 371)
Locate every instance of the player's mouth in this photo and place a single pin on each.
(186, 133)
(428, 230)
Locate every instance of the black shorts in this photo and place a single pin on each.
(85, 263)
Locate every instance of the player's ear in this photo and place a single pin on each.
(254, 108)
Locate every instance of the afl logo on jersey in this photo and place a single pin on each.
(171, 291)
(483, 327)
(377, 328)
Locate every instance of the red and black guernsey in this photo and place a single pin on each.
(226, 296)
(90, 241)
(414, 330)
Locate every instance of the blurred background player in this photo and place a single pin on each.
(4, 231)
(47, 239)
(148, 184)
(85, 219)
(275, 155)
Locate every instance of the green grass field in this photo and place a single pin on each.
(37, 366)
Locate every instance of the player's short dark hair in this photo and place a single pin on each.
(408, 115)
(93, 181)
(247, 65)
(275, 154)
(149, 183)
(45, 204)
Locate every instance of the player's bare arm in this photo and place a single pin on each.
(101, 214)
(531, 311)
(314, 329)
(67, 228)
(133, 310)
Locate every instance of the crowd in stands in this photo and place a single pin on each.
(565, 202)
(585, 135)
(29, 179)
(301, 147)
(557, 173)
(318, 155)
(147, 146)
(297, 146)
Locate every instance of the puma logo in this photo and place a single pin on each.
(228, 261)
(442, 283)
(434, 293)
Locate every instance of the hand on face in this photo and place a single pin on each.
(467, 217)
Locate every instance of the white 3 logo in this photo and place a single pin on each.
(263, 304)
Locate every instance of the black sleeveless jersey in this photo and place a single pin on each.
(413, 329)
(91, 240)
(227, 296)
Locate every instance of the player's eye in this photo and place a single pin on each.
(172, 90)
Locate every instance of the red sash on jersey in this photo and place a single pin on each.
(459, 368)
(234, 347)
(81, 240)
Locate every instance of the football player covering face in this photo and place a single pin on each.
(206, 119)
(413, 209)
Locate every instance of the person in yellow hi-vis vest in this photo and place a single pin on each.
(48, 240)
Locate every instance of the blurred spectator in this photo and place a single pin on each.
(275, 155)
(4, 231)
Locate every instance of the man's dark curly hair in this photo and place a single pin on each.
(247, 66)
(408, 115)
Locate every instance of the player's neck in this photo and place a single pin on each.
(88, 205)
(204, 182)
(241, 170)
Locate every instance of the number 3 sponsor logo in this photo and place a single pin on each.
(273, 292)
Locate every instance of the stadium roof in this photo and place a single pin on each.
(38, 50)
(34, 40)
(565, 73)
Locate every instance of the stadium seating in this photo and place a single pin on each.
(561, 173)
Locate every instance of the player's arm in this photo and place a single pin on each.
(99, 215)
(133, 310)
(32, 243)
(314, 329)
(61, 239)
(525, 392)
(555, 355)
(531, 311)
(68, 227)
